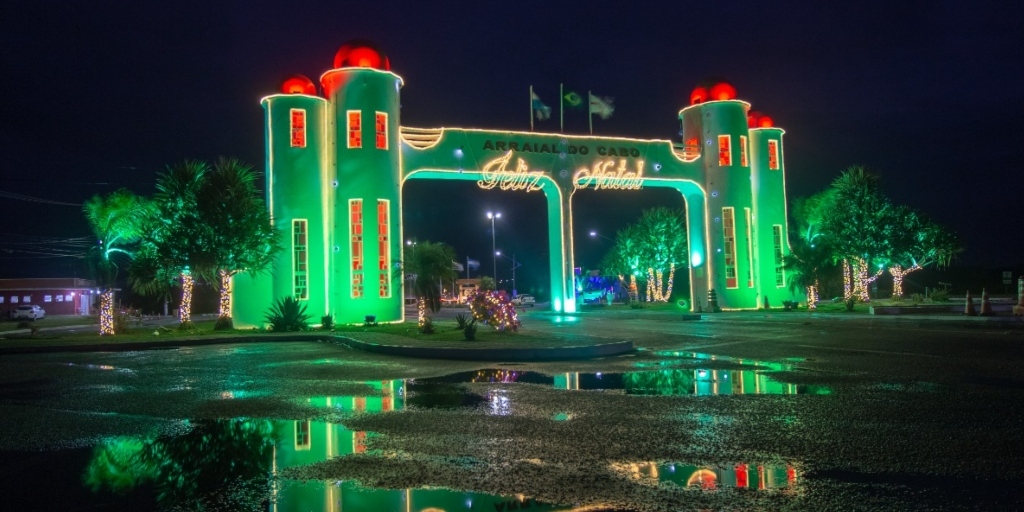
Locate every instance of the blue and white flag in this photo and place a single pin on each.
(472, 264)
(601, 106)
(540, 110)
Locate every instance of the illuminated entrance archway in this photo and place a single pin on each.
(336, 164)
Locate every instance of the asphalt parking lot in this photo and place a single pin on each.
(744, 411)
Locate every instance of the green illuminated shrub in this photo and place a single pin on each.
(327, 322)
(224, 323)
(940, 296)
(122, 323)
(287, 314)
(850, 303)
(636, 304)
(427, 327)
(916, 298)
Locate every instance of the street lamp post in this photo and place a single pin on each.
(515, 265)
(595, 234)
(494, 250)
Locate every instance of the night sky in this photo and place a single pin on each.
(103, 95)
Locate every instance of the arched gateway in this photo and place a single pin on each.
(336, 164)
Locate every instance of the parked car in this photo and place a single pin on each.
(527, 301)
(30, 311)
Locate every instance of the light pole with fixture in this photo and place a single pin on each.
(515, 265)
(595, 234)
(494, 250)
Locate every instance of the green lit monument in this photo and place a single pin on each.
(337, 158)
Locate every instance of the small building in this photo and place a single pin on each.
(467, 288)
(58, 296)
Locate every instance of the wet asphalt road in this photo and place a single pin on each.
(918, 415)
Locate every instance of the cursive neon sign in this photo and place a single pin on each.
(497, 174)
(603, 176)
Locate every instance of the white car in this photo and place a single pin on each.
(527, 301)
(29, 311)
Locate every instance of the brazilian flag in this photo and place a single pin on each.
(572, 99)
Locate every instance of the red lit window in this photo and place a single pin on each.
(729, 232)
(724, 152)
(743, 151)
(383, 248)
(773, 154)
(355, 228)
(355, 129)
(300, 260)
(381, 128)
(298, 128)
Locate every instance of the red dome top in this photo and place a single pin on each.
(723, 91)
(756, 119)
(712, 89)
(360, 53)
(699, 95)
(298, 84)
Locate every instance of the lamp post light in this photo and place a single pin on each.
(515, 265)
(595, 234)
(494, 250)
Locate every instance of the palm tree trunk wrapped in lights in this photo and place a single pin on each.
(107, 313)
(863, 281)
(224, 311)
(847, 280)
(185, 312)
(812, 296)
(658, 289)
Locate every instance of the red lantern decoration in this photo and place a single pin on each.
(298, 84)
(699, 95)
(361, 54)
(723, 91)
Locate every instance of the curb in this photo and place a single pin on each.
(494, 354)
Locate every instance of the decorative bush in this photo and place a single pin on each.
(469, 332)
(287, 314)
(495, 308)
(940, 295)
(122, 323)
(789, 305)
(327, 322)
(850, 302)
(636, 304)
(462, 320)
(916, 298)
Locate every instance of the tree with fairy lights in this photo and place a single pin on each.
(649, 252)
(431, 264)
(178, 245)
(915, 242)
(495, 308)
(853, 220)
(243, 239)
(118, 220)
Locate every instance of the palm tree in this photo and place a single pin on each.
(243, 239)
(181, 240)
(118, 220)
(430, 263)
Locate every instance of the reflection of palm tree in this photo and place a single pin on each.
(189, 469)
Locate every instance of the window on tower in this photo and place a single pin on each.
(724, 151)
(743, 151)
(773, 154)
(300, 259)
(729, 232)
(381, 129)
(384, 247)
(780, 269)
(355, 129)
(298, 128)
(355, 233)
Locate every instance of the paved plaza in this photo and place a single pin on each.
(777, 411)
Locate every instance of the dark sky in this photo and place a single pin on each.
(100, 95)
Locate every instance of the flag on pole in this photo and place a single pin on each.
(572, 99)
(541, 111)
(456, 266)
(472, 264)
(601, 106)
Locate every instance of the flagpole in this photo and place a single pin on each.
(561, 110)
(590, 115)
(531, 108)
(467, 266)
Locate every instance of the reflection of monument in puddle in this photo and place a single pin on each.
(305, 442)
(740, 476)
(698, 382)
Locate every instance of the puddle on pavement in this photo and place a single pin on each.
(234, 463)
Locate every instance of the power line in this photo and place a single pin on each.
(20, 197)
